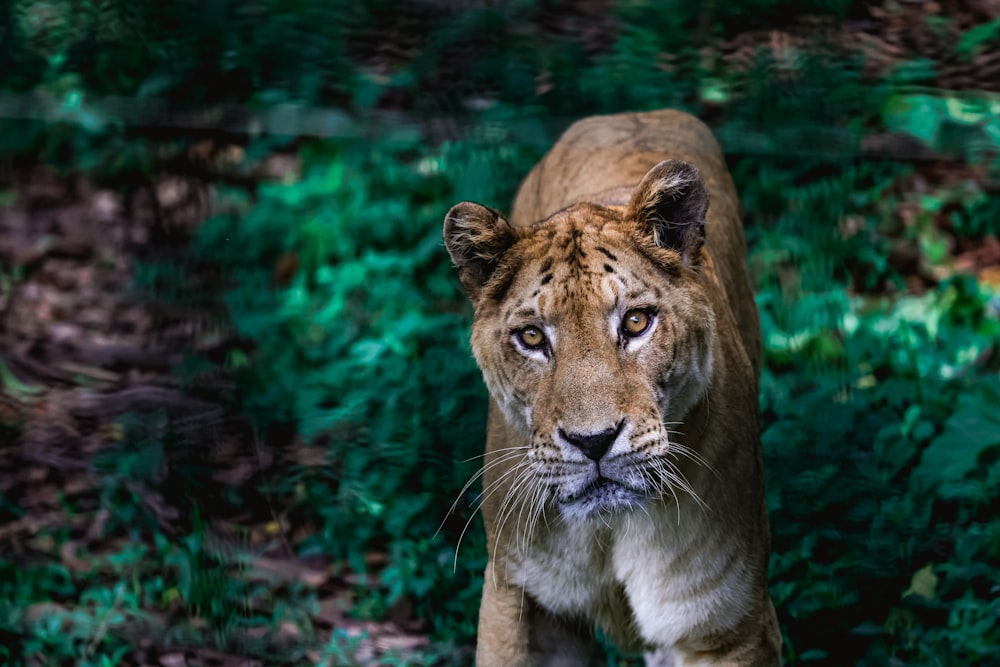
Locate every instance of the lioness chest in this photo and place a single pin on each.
(648, 579)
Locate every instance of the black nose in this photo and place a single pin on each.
(593, 445)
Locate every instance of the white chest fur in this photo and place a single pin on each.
(671, 577)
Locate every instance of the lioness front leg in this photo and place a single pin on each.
(757, 655)
(516, 632)
(503, 630)
(755, 643)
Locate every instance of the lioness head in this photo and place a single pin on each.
(594, 337)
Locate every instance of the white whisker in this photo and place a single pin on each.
(494, 486)
(472, 480)
(496, 451)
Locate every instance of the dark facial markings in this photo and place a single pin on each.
(525, 313)
(607, 253)
(564, 266)
(500, 284)
(577, 238)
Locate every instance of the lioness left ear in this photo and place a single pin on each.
(476, 237)
(670, 203)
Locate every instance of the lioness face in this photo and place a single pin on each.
(594, 339)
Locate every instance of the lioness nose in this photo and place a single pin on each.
(593, 445)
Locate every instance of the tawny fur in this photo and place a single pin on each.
(662, 540)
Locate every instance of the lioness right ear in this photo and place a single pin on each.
(476, 237)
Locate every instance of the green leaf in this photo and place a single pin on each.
(19, 390)
(976, 37)
(968, 110)
(973, 428)
(919, 115)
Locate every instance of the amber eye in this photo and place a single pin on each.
(635, 322)
(531, 337)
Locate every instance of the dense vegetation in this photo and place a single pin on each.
(868, 187)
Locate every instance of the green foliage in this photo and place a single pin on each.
(364, 351)
(192, 51)
(961, 463)
(848, 492)
(876, 424)
(946, 122)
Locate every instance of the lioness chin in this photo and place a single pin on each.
(617, 333)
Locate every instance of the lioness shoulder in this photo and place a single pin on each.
(616, 331)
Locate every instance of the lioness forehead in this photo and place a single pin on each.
(579, 252)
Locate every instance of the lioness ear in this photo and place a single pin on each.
(670, 203)
(476, 237)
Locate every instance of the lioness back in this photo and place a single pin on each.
(617, 333)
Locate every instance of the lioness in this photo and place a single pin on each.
(617, 333)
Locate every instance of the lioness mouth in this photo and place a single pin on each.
(603, 493)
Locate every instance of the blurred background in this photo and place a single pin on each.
(236, 394)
